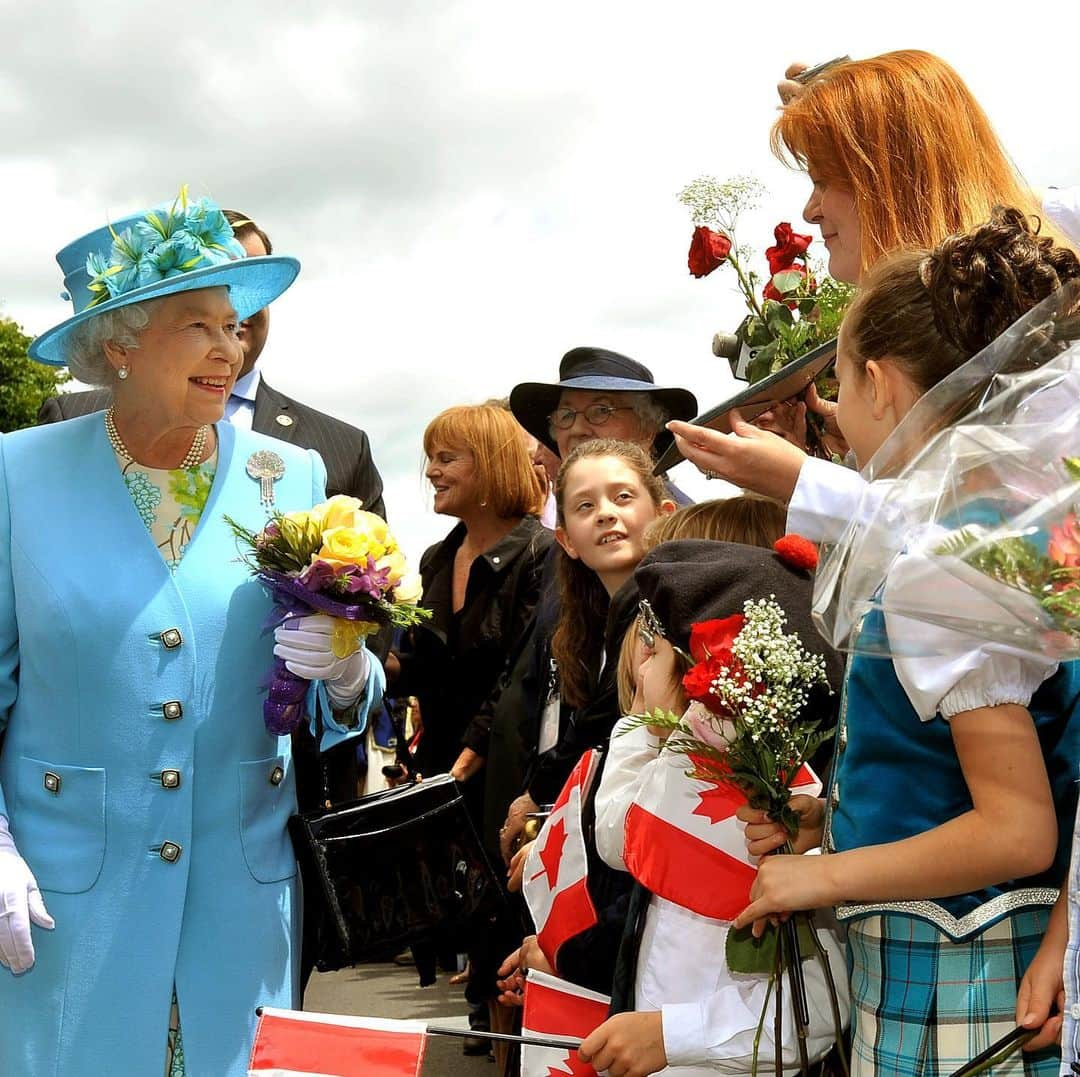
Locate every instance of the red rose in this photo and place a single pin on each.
(708, 249)
(797, 551)
(698, 679)
(709, 639)
(789, 246)
(696, 682)
(772, 292)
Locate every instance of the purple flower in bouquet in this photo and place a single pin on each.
(318, 576)
(371, 581)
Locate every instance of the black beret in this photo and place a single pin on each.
(691, 580)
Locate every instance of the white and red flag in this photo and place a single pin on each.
(560, 1010)
(556, 869)
(684, 844)
(293, 1044)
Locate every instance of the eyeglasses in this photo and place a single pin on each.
(595, 415)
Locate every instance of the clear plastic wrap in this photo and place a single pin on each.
(969, 519)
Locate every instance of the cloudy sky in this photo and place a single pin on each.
(472, 187)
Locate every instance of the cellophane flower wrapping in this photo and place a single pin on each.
(334, 559)
(970, 520)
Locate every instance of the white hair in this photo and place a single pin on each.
(650, 412)
(86, 345)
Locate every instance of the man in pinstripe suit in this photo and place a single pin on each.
(345, 450)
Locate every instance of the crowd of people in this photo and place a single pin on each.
(149, 899)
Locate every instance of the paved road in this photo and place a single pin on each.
(391, 991)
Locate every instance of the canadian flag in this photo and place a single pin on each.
(683, 842)
(556, 868)
(561, 1010)
(292, 1044)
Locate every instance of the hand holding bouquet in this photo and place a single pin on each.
(335, 560)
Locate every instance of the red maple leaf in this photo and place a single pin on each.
(551, 853)
(719, 802)
(577, 1067)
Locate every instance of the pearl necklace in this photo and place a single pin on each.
(193, 456)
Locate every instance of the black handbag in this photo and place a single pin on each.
(391, 869)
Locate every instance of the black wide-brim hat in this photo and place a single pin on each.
(687, 581)
(599, 370)
(788, 381)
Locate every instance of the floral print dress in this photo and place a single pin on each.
(170, 504)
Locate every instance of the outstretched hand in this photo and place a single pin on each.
(748, 457)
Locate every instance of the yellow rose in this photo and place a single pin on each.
(340, 511)
(410, 590)
(343, 546)
(395, 562)
(382, 542)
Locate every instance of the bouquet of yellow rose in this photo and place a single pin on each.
(335, 559)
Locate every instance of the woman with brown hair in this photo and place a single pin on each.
(480, 582)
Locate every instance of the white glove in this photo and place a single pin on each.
(303, 644)
(20, 903)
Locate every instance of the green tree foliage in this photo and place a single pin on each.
(24, 384)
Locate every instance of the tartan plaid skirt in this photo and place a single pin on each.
(923, 1005)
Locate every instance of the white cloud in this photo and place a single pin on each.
(473, 187)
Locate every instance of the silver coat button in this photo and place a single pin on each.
(277, 776)
(52, 782)
(284, 420)
(172, 710)
(170, 779)
(497, 559)
(170, 852)
(171, 638)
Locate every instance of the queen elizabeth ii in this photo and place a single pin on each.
(148, 891)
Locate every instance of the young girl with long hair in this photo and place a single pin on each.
(606, 497)
(953, 792)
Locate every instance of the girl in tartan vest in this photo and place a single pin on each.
(952, 796)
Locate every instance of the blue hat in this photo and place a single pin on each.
(177, 248)
(598, 369)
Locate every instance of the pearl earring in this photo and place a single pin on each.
(123, 372)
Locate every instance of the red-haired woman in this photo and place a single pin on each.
(900, 155)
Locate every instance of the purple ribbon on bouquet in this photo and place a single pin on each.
(283, 709)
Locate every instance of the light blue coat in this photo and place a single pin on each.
(85, 675)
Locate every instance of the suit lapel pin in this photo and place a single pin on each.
(284, 420)
(266, 467)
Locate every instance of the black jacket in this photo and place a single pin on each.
(589, 726)
(453, 663)
(345, 450)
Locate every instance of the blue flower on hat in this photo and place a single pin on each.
(210, 228)
(163, 244)
(180, 253)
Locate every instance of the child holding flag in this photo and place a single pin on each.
(694, 1014)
